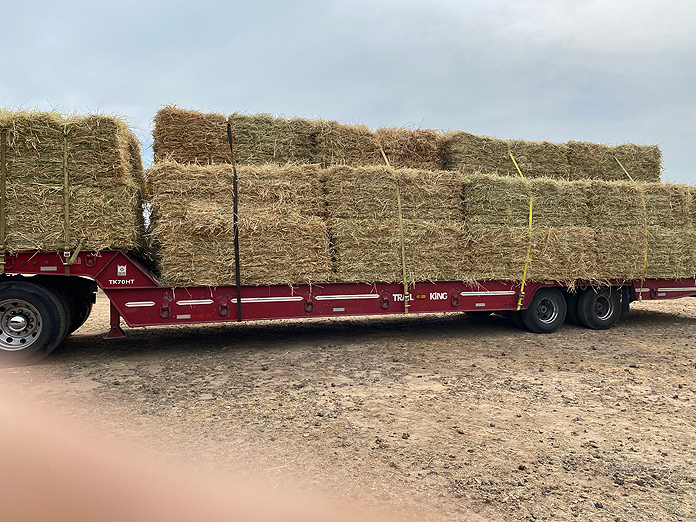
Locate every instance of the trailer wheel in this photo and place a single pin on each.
(572, 314)
(32, 322)
(546, 312)
(81, 311)
(600, 309)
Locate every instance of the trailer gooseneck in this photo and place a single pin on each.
(43, 299)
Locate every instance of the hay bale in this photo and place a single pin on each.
(370, 192)
(286, 189)
(354, 145)
(621, 253)
(412, 148)
(283, 239)
(105, 182)
(263, 138)
(597, 161)
(504, 201)
(369, 250)
(273, 250)
(471, 153)
(189, 136)
(538, 159)
(619, 204)
(499, 253)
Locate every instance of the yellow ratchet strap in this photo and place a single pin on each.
(520, 299)
(645, 221)
(401, 233)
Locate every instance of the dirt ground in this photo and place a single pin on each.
(437, 417)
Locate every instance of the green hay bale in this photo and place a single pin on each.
(597, 161)
(370, 192)
(190, 136)
(667, 205)
(263, 138)
(369, 250)
(421, 149)
(105, 182)
(471, 153)
(558, 254)
(621, 253)
(353, 145)
(538, 159)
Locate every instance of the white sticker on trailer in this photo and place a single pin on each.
(49, 268)
(339, 309)
(184, 316)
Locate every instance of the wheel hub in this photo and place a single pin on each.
(546, 311)
(603, 308)
(20, 324)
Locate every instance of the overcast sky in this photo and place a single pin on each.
(604, 71)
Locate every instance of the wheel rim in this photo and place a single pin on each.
(603, 307)
(20, 325)
(547, 311)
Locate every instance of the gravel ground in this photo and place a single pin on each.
(430, 417)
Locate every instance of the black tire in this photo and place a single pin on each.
(546, 312)
(516, 317)
(81, 311)
(625, 303)
(600, 308)
(572, 315)
(32, 322)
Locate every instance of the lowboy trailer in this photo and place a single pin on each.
(45, 296)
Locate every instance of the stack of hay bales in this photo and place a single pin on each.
(572, 161)
(590, 230)
(282, 235)
(105, 188)
(192, 137)
(362, 214)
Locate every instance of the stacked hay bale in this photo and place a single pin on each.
(105, 182)
(362, 214)
(190, 136)
(261, 138)
(575, 160)
(282, 235)
(590, 230)
(624, 215)
(496, 212)
(594, 160)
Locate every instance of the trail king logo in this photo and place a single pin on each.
(121, 270)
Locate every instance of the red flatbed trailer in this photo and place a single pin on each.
(37, 284)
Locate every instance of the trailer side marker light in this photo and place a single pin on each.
(420, 296)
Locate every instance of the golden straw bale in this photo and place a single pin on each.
(411, 148)
(273, 249)
(189, 136)
(290, 188)
(105, 182)
(496, 200)
(471, 153)
(354, 145)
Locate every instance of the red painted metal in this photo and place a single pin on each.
(140, 301)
